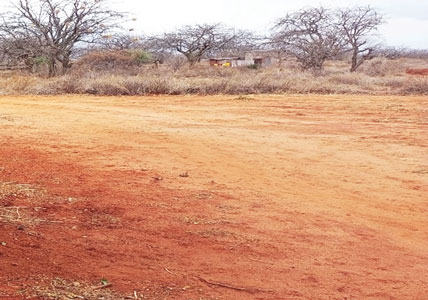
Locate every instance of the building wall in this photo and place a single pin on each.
(269, 61)
(244, 63)
(249, 59)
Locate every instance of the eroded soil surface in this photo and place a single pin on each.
(264, 197)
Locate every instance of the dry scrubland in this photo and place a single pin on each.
(379, 76)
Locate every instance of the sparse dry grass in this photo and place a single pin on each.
(18, 215)
(378, 76)
(17, 190)
(13, 214)
(60, 289)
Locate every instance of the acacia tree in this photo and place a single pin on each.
(245, 41)
(196, 41)
(157, 48)
(55, 27)
(122, 41)
(311, 35)
(358, 25)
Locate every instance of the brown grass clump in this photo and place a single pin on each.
(18, 83)
(416, 86)
(380, 67)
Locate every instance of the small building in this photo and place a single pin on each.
(257, 58)
(224, 61)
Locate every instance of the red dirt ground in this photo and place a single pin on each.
(423, 72)
(287, 197)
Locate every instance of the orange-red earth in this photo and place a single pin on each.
(223, 197)
(423, 72)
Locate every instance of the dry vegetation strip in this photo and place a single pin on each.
(379, 76)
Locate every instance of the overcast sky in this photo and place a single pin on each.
(407, 20)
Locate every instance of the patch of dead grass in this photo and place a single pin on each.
(13, 211)
(18, 215)
(18, 190)
(61, 289)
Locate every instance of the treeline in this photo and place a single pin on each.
(54, 32)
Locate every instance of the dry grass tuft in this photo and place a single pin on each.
(416, 86)
(18, 84)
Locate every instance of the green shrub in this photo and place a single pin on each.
(40, 60)
(142, 57)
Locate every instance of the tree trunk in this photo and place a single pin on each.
(66, 65)
(29, 63)
(192, 61)
(354, 61)
(52, 67)
(358, 61)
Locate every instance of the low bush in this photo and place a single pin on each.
(122, 62)
(415, 86)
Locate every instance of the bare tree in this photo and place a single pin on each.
(122, 41)
(358, 25)
(55, 27)
(157, 47)
(310, 35)
(245, 41)
(196, 41)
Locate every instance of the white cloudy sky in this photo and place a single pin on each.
(407, 20)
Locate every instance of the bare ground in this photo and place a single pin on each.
(255, 197)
